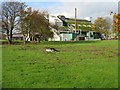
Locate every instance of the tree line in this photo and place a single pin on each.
(34, 24)
(107, 26)
(116, 23)
(17, 16)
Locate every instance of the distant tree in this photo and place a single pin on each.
(102, 25)
(108, 25)
(116, 24)
(10, 17)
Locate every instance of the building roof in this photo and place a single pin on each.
(78, 20)
(17, 35)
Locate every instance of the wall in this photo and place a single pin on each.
(66, 37)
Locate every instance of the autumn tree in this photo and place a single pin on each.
(35, 25)
(116, 24)
(10, 17)
(102, 25)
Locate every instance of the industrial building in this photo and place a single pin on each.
(67, 31)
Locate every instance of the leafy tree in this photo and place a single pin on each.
(102, 25)
(11, 17)
(35, 25)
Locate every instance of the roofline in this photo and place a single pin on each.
(72, 19)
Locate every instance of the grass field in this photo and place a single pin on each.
(91, 64)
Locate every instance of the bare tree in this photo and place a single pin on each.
(11, 17)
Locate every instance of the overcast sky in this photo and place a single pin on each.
(85, 8)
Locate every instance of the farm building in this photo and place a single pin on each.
(18, 36)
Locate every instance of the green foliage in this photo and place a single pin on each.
(84, 64)
(116, 24)
(0, 67)
(34, 22)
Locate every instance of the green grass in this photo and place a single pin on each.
(0, 67)
(92, 64)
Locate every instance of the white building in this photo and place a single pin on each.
(54, 20)
(56, 36)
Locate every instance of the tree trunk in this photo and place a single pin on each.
(39, 40)
(118, 35)
(9, 40)
(10, 37)
(32, 38)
